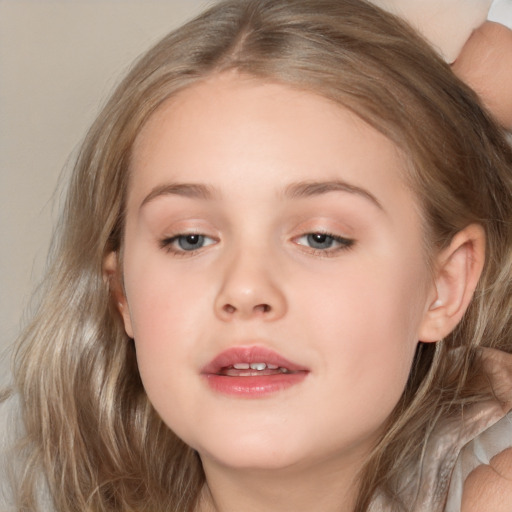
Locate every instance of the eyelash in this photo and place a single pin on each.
(343, 244)
(168, 244)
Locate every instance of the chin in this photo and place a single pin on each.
(254, 460)
(254, 452)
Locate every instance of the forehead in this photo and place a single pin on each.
(243, 135)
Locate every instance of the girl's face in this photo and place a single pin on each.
(268, 226)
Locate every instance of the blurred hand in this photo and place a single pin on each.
(485, 64)
(488, 488)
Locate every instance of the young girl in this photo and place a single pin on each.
(282, 280)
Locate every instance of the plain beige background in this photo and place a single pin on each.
(58, 61)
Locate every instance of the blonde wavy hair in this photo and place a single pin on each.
(89, 427)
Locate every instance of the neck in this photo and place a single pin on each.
(326, 487)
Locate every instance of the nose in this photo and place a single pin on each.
(250, 289)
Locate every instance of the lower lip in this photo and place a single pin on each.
(254, 387)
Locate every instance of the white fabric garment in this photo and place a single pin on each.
(501, 12)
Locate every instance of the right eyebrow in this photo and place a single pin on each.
(192, 190)
(316, 188)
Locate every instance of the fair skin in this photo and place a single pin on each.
(302, 240)
(485, 64)
(489, 487)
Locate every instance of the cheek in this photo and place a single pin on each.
(168, 317)
(168, 313)
(366, 322)
(160, 299)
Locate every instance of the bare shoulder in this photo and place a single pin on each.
(488, 488)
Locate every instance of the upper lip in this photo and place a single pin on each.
(253, 354)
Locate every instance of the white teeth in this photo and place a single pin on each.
(258, 367)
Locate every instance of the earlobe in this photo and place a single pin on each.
(112, 276)
(458, 269)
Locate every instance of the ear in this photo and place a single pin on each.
(112, 275)
(457, 271)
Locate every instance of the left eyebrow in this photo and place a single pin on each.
(192, 190)
(315, 188)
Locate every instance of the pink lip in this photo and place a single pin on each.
(252, 386)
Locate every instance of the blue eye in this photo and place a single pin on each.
(186, 243)
(190, 242)
(320, 240)
(324, 242)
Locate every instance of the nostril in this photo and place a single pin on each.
(263, 308)
(228, 308)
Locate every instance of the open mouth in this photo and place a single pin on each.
(252, 372)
